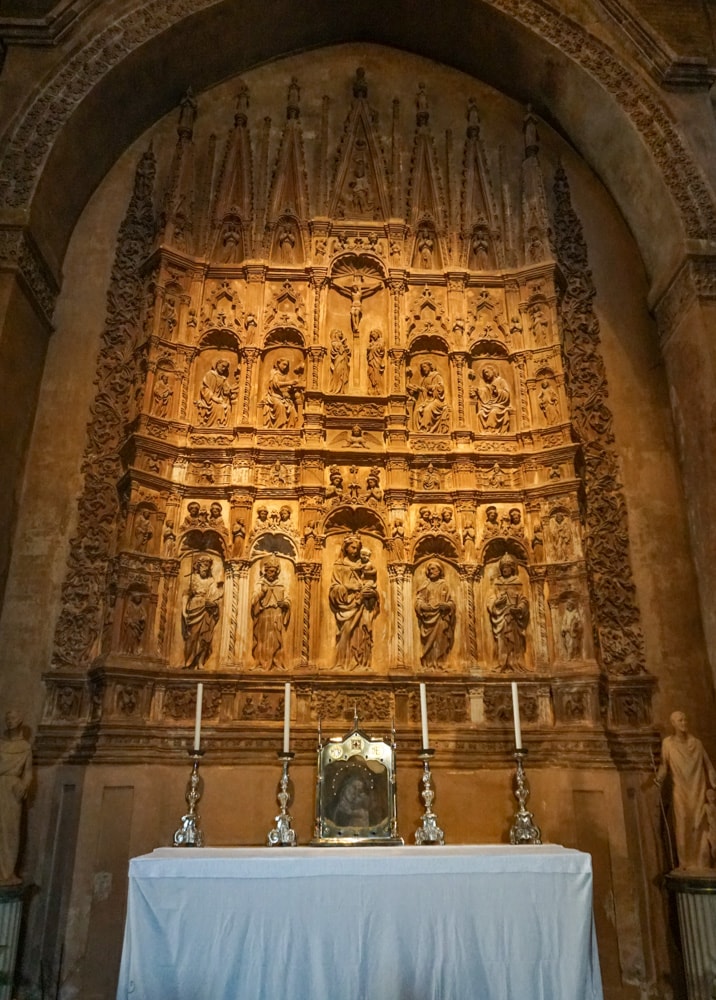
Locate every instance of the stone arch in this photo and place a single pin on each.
(524, 36)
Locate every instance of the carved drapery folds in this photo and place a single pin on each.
(340, 437)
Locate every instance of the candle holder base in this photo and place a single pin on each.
(428, 832)
(283, 835)
(523, 830)
(189, 834)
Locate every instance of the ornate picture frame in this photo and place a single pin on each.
(356, 801)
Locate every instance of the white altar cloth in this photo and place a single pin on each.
(371, 923)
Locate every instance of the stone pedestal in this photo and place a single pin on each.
(696, 905)
(10, 915)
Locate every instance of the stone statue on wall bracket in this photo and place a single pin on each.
(340, 355)
(693, 778)
(375, 357)
(134, 622)
(355, 603)
(201, 609)
(216, 395)
(15, 779)
(435, 611)
(493, 398)
(284, 393)
(509, 614)
(431, 413)
(271, 613)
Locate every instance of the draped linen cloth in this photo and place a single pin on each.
(376, 923)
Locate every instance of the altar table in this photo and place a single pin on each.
(369, 923)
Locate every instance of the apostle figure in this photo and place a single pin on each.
(200, 612)
(15, 778)
(161, 395)
(375, 357)
(355, 603)
(683, 758)
(493, 402)
(435, 611)
(509, 616)
(271, 613)
(216, 395)
(340, 362)
(572, 630)
(283, 395)
(548, 401)
(431, 413)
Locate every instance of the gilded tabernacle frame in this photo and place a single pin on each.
(356, 801)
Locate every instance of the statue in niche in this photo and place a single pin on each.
(431, 414)
(509, 613)
(548, 402)
(572, 630)
(231, 239)
(283, 395)
(134, 623)
(491, 525)
(431, 481)
(538, 544)
(435, 611)
(238, 538)
(286, 244)
(355, 604)
(425, 245)
(361, 196)
(375, 356)
(468, 544)
(357, 287)
(271, 613)
(278, 474)
(170, 314)
(685, 760)
(15, 779)
(373, 492)
(340, 362)
(161, 395)
(169, 541)
(480, 249)
(512, 524)
(193, 517)
(496, 475)
(216, 518)
(397, 541)
(309, 541)
(200, 612)
(539, 322)
(561, 532)
(143, 530)
(216, 395)
(493, 402)
(335, 490)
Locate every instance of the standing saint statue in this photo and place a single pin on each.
(200, 612)
(15, 778)
(354, 600)
(340, 362)
(685, 760)
(435, 611)
(509, 613)
(271, 613)
(375, 357)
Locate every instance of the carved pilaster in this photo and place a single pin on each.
(309, 575)
(251, 355)
(237, 572)
(459, 361)
(470, 575)
(400, 575)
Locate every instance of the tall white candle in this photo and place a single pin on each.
(516, 715)
(287, 718)
(197, 721)
(424, 716)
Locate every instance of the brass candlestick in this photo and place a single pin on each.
(189, 834)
